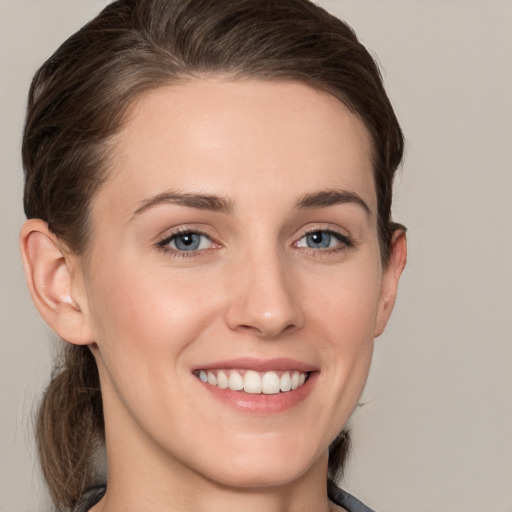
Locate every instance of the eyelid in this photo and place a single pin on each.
(169, 235)
(345, 240)
(183, 229)
(337, 231)
(163, 241)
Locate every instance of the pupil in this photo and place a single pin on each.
(188, 241)
(319, 239)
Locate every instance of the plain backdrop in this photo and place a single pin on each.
(435, 430)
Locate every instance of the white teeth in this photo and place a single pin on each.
(222, 380)
(235, 381)
(295, 380)
(252, 382)
(268, 383)
(286, 382)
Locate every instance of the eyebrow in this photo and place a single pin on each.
(192, 200)
(320, 199)
(330, 197)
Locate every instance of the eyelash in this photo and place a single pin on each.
(176, 253)
(345, 242)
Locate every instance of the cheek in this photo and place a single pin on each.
(144, 317)
(347, 304)
(146, 323)
(345, 316)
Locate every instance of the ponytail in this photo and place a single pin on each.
(69, 426)
(339, 450)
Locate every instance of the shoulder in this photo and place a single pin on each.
(90, 498)
(347, 501)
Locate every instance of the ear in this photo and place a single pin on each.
(51, 273)
(390, 278)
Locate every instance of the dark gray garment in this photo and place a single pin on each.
(346, 500)
(90, 498)
(336, 495)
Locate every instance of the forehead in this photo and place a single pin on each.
(238, 138)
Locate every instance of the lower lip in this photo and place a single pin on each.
(261, 403)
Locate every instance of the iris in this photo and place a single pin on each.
(319, 240)
(188, 241)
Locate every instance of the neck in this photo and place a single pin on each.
(155, 484)
(151, 492)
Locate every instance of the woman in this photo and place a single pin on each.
(208, 188)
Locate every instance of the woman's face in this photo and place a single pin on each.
(235, 241)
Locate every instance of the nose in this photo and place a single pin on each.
(263, 298)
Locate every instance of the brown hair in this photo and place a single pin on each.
(77, 102)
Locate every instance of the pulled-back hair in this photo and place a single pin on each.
(77, 103)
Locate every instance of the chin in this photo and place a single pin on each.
(263, 464)
(252, 476)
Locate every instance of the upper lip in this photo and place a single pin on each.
(258, 365)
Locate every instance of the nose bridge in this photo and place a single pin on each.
(264, 298)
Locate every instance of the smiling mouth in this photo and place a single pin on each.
(253, 382)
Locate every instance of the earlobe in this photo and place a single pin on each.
(49, 278)
(390, 278)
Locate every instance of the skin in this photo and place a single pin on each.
(254, 289)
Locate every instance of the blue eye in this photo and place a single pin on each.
(322, 239)
(187, 242)
(318, 240)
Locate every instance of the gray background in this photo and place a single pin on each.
(436, 430)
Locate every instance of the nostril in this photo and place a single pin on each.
(266, 331)
(265, 303)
